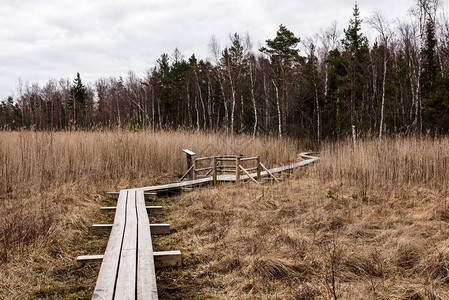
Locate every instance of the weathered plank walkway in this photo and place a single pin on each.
(309, 159)
(127, 270)
(128, 264)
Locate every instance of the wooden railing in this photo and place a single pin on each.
(225, 164)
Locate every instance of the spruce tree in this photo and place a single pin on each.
(77, 100)
(431, 98)
(356, 52)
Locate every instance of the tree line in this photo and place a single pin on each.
(319, 87)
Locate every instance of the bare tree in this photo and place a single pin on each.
(380, 23)
(330, 40)
(252, 64)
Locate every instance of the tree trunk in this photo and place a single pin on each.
(224, 103)
(253, 98)
(279, 109)
(233, 100)
(383, 95)
(284, 114)
(267, 105)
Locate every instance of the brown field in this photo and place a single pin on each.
(364, 223)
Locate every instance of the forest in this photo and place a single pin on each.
(318, 87)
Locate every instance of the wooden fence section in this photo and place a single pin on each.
(128, 264)
(208, 179)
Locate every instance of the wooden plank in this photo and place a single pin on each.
(107, 209)
(146, 275)
(148, 196)
(167, 258)
(189, 152)
(101, 228)
(247, 174)
(203, 169)
(268, 172)
(161, 258)
(106, 228)
(248, 158)
(204, 158)
(176, 185)
(227, 159)
(105, 286)
(82, 259)
(126, 279)
(186, 173)
(251, 169)
(156, 210)
(160, 228)
(150, 209)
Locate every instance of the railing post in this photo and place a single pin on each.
(214, 172)
(258, 167)
(237, 169)
(189, 155)
(195, 166)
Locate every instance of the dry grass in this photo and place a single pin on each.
(365, 224)
(49, 194)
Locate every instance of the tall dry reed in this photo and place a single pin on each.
(392, 164)
(38, 169)
(363, 223)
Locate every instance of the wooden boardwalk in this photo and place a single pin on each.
(308, 159)
(128, 264)
(127, 269)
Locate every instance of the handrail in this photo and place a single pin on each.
(248, 158)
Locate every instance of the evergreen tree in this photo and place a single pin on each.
(436, 112)
(282, 49)
(431, 98)
(77, 100)
(234, 63)
(356, 52)
(334, 108)
(309, 86)
(165, 86)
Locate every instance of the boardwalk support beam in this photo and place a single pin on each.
(106, 228)
(161, 259)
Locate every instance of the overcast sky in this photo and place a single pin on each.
(47, 39)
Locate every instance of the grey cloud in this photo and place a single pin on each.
(102, 38)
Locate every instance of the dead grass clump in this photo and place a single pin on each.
(408, 253)
(269, 269)
(305, 291)
(366, 264)
(291, 242)
(435, 265)
(20, 225)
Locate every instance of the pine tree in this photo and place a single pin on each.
(282, 49)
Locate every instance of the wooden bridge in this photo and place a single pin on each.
(128, 264)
